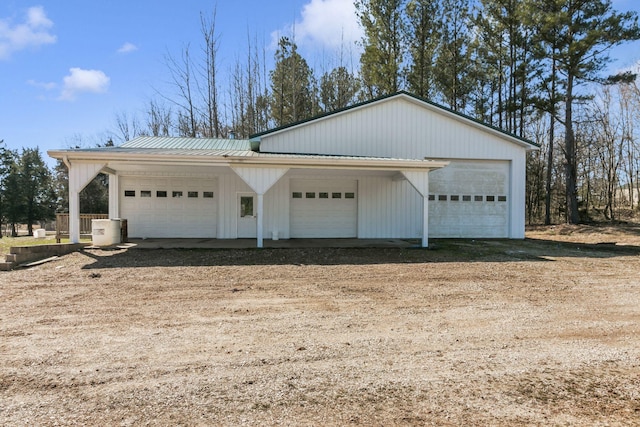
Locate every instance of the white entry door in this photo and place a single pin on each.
(247, 213)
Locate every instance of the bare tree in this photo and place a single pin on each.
(128, 126)
(630, 116)
(159, 119)
(209, 71)
(183, 80)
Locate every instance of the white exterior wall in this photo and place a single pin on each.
(229, 185)
(402, 127)
(388, 208)
(276, 209)
(394, 127)
(276, 206)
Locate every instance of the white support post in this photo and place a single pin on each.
(114, 203)
(420, 181)
(260, 180)
(425, 221)
(74, 215)
(80, 174)
(259, 220)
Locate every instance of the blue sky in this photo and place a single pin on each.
(67, 67)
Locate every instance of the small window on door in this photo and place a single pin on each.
(349, 195)
(129, 193)
(310, 195)
(145, 193)
(477, 198)
(246, 206)
(207, 194)
(192, 194)
(323, 195)
(336, 195)
(296, 195)
(442, 197)
(491, 198)
(455, 198)
(161, 194)
(177, 194)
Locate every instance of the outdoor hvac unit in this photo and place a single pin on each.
(105, 232)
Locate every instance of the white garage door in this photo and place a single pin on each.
(470, 199)
(169, 207)
(324, 208)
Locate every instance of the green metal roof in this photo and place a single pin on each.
(180, 143)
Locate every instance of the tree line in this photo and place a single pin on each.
(533, 68)
(32, 193)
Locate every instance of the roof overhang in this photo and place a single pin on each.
(241, 159)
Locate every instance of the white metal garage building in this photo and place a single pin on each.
(394, 167)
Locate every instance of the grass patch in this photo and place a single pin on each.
(7, 242)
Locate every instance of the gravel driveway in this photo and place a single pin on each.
(534, 332)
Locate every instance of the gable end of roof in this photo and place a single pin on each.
(522, 141)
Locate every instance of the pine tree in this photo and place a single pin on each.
(381, 60)
(291, 85)
(35, 183)
(338, 89)
(582, 32)
(454, 56)
(423, 36)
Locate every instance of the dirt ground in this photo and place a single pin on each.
(544, 331)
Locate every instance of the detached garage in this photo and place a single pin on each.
(395, 167)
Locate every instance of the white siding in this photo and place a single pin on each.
(260, 179)
(402, 127)
(388, 209)
(229, 185)
(276, 206)
(395, 127)
(276, 210)
(81, 174)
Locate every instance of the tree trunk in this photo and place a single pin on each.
(573, 216)
(547, 201)
(552, 133)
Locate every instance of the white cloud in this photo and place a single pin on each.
(93, 81)
(325, 24)
(33, 32)
(128, 48)
(44, 85)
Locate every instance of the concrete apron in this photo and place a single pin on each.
(251, 243)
